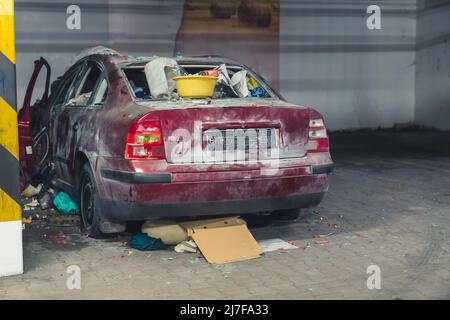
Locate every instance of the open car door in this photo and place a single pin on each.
(33, 127)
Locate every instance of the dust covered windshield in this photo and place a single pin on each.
(157, 81)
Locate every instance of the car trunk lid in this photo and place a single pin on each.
(221, 133)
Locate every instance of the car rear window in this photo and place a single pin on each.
(256, 87)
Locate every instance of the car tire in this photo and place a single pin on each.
(286, 215)
(89, 216)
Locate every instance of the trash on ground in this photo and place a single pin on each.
(170, 233)
(64, 221)
(186, 246)
(58, 238)
(65, 204)
(167, 258)
(27, 220)
(45, 201)
(321, 239)
(223, 240)
(144, 242)
(305, 246)
(31, 205)
(275, 244)
(31, 191)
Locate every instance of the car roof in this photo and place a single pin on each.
(142, 60)
(110, 55)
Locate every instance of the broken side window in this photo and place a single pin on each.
(138, 82)
(237, 82)
(62, 94)
(101, 92)
(81, 94)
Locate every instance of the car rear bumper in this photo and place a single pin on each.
(151, 178)
(126, 196)
(116, 210)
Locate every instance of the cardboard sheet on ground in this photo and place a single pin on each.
(275, 244)
(223, 240)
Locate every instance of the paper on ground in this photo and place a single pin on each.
(275, 244)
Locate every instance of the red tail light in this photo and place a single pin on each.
(145, 141)
(318, 138)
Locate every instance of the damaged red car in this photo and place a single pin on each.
(105, 134)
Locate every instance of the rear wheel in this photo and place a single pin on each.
(286, 215)
(90, 218)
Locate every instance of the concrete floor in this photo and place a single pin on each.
(388, 205)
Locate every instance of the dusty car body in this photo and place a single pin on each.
(124, 157)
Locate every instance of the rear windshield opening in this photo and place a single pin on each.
(256, 89)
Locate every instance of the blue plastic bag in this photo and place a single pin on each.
(258, 92)
(144, 242)
(65, 204)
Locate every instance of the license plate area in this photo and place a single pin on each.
(241, 144)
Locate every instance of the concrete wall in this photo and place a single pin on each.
(357, 78)
(41, 31)
(137, 27)
(433, 64)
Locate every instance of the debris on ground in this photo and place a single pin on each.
(64, 221)
(45, 201)
(27, 220)
(321, 240)
(123, 244)
(144, 242)
(170, 233)
(434, 225)
(305, 246)
(65, 204)
(31, 191)
(31, 205)
(276, 244)
(167, 258)
(186, 246)
(223, 240)
(38, 209)
(58, 238)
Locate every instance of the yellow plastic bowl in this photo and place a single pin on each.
(195, 86)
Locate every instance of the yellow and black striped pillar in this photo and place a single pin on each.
(11, 261)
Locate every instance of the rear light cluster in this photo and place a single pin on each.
(145, 141)
(318, 138)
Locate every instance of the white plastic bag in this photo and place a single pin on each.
(155, 72)
(223, 75)
(239, 83)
